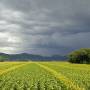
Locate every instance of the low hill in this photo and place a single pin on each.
(26, 57)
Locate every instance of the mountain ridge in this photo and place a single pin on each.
(33, 57)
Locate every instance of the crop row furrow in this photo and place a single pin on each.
(12, 68)
(70, 84)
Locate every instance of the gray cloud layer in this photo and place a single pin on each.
(44, 26)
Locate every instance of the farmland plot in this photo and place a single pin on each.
(77, 73)
(44, 76)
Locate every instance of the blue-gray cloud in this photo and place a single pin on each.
(44, 26)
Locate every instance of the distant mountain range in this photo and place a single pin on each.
(33, 57)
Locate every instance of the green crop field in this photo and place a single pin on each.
(44, 76)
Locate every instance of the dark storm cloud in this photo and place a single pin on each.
(44, 26)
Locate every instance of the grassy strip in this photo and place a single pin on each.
(7, 65)
(12, 68)
(62, 78)
(72, 66)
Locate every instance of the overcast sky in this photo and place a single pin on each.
(44, 26)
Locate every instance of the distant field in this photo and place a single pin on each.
(44, 76)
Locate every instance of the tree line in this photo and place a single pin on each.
(81, 56)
